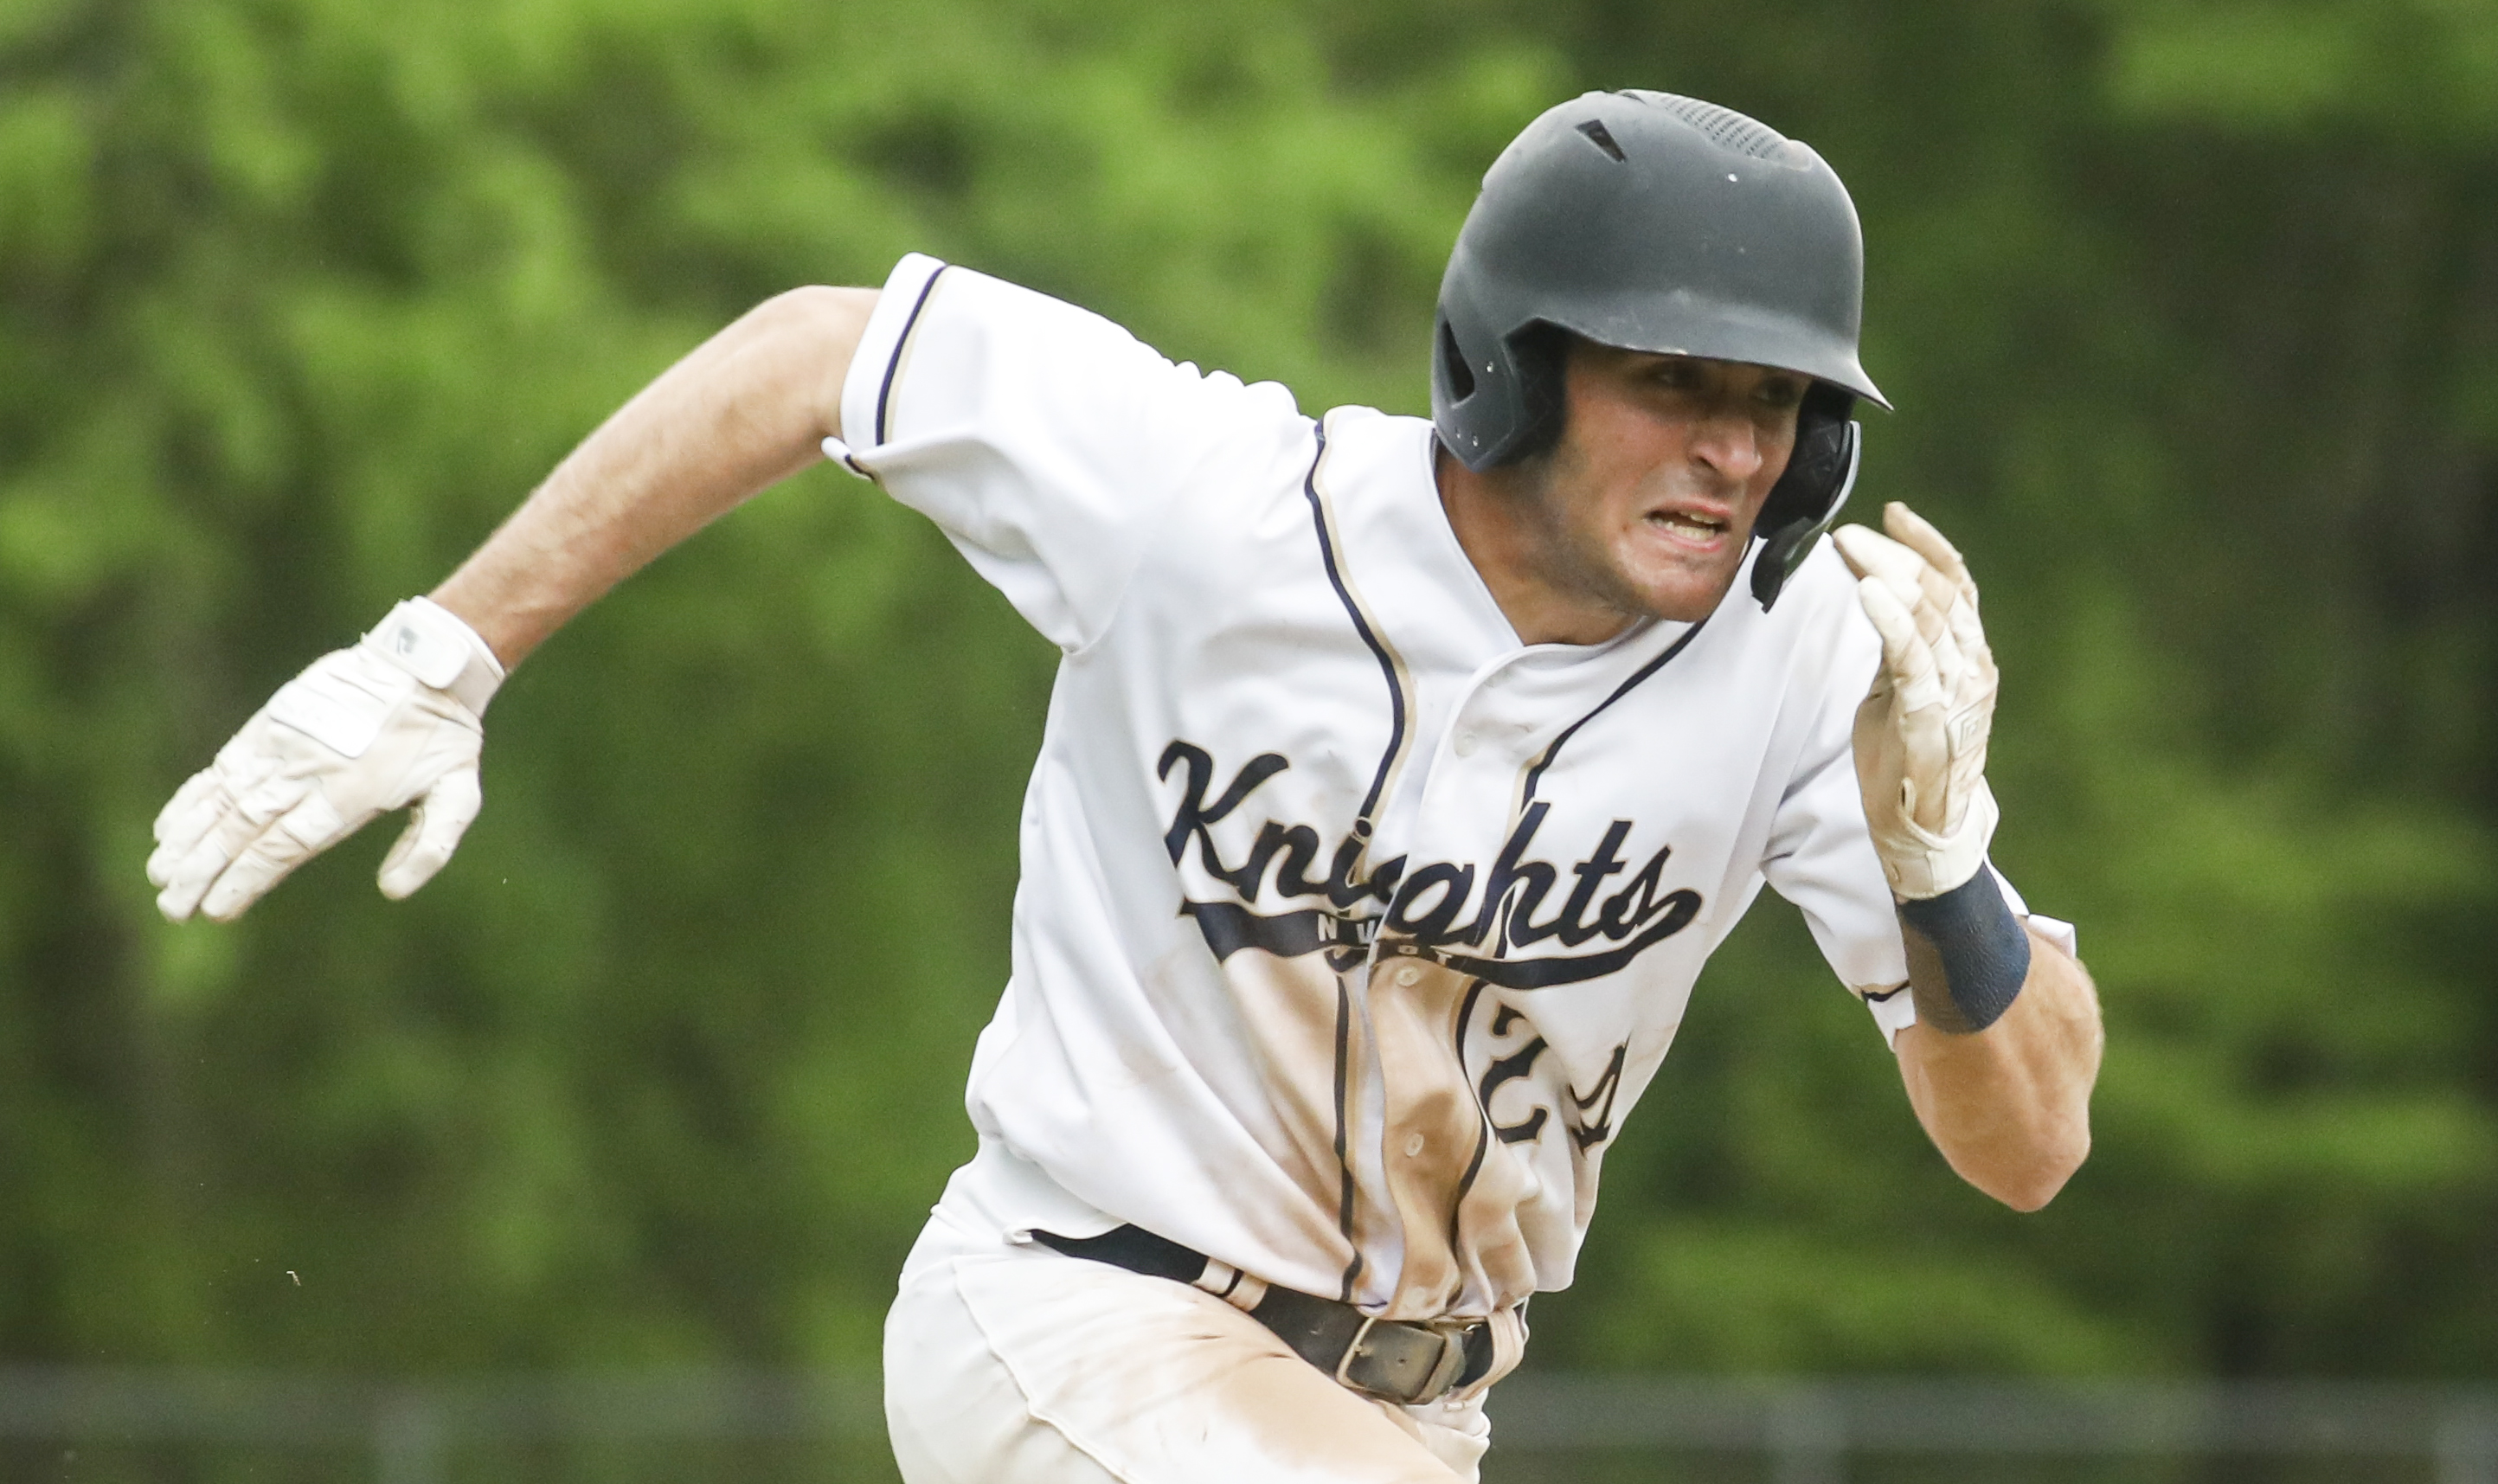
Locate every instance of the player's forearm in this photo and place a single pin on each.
(745, 409)
(2010, 1106)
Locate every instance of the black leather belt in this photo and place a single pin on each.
(1385, 1358)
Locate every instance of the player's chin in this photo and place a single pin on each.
(1684, 587)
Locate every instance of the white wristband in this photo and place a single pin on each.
(437, 647)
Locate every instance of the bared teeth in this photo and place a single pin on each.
(1700, 525)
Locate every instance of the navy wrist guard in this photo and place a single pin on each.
(1967, 955)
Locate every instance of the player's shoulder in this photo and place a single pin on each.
(1365, 436)
(1373, 470)
(1816, 629)
(1094, 351)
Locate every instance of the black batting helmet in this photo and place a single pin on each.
(1650, 222)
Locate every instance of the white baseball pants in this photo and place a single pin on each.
(1008, 1364)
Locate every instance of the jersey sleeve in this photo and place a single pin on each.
(1045, 440)
(1820, 854)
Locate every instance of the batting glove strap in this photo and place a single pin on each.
(437, 647)
(1919, 863)
(1967, 955)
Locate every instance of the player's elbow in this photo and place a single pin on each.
(2028, 1183)
(820, 311)
(813, 332)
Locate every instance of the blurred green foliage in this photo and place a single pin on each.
(2191, 316)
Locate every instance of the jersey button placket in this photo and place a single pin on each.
(1452, 822)
(1469, 722)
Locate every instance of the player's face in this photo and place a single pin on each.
(1646, 504)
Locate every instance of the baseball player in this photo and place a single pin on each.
(1399, 779)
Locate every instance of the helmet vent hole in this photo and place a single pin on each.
(1724, 127)
(1601, 136)
(1452, 366)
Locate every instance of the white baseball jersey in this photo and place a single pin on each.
(1350, 928)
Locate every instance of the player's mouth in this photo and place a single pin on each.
(1691, 528)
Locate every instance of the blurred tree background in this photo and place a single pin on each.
(2190, 313)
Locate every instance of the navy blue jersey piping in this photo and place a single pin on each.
(1482, 1133)
(1345, 1205)
(901, 344)
(1361, 626)
(1535, 775)
(1344, 1165)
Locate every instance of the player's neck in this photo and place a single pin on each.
(1484, 514)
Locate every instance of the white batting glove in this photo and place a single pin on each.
(390, 723)
(1921, 731)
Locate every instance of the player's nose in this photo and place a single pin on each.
(1727, 440)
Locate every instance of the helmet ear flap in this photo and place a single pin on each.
(1495, 398)
(1806, 500)
(1538, 357)
(1473, 404)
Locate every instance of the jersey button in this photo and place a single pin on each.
(1465, 744)
(1409, 975)
(1413, 1145)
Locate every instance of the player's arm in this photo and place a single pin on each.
(394, 722)
(2006, 1046)
(750, 407)
(2010, 1106)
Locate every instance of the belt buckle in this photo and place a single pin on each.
(1432, 1384)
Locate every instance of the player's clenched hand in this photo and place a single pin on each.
(388, 724)
(1921, 731)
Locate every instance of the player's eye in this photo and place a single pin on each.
(1677, 374)
(1782, 392)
